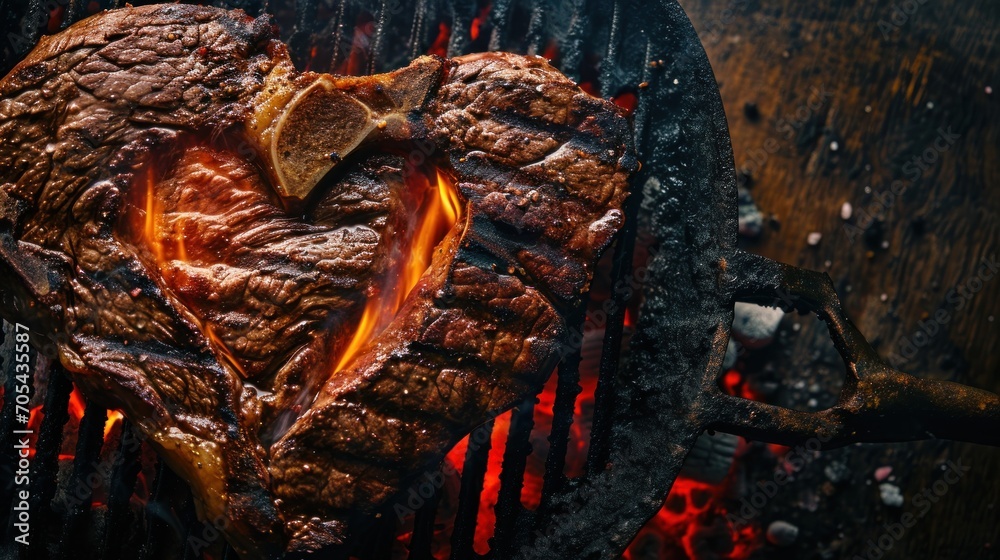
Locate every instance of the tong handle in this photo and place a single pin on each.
(877, 403)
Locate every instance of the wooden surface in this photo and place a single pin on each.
(830, 72)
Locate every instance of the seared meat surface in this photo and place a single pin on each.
(542, 167)
(196, 227)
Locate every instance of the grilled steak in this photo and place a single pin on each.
(543, 169)
(196, 226)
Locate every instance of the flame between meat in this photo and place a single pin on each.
(167, 243)
(151, 229)
(158, 240)
(439, 213)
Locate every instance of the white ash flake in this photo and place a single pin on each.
(755, 325)
(890, 494)
(846, 211)
(782, 533)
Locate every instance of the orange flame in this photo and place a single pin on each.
(477, 22)
(439, 213)
(77, 406)
(114, 416)
(179, 239)
(440, 45)
(167, 241)
(221, 347)
(151, 226)
(153, 229)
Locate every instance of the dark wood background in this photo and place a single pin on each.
(881, 80)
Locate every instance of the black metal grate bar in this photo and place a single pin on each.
(45, 466)
(90, 438)
(422, 540)
(571, 47)
(600, 434)
(118, 523)
(567, 390)
(75, 11)
(35, 18)
(157, 502)
(195, 532)
(338, 33)
(380, 538)
(536, 28)
(473, 472)
(500, 21)
(462, 14)
(301, 40)
(417, 28)
(579, 23)
(378, 36)
(159, 512)
(610, 65)
(508, 509)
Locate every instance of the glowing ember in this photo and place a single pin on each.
(35, 417)
(56, 15)
(478, 21)
(440, 45)
(312, 57)
(356, 61)
(491, 484)
(692, 525)
(551, 51)
(590, 88)
(627, 101)
(734, 383)
(77, 406)
(629, 319)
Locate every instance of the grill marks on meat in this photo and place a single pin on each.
(188, 214)
(544, 179)
(543, 165)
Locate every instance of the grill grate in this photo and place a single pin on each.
(123, 480)
(167, 523)
(508, 509)
(46, 464)
(567, 390)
